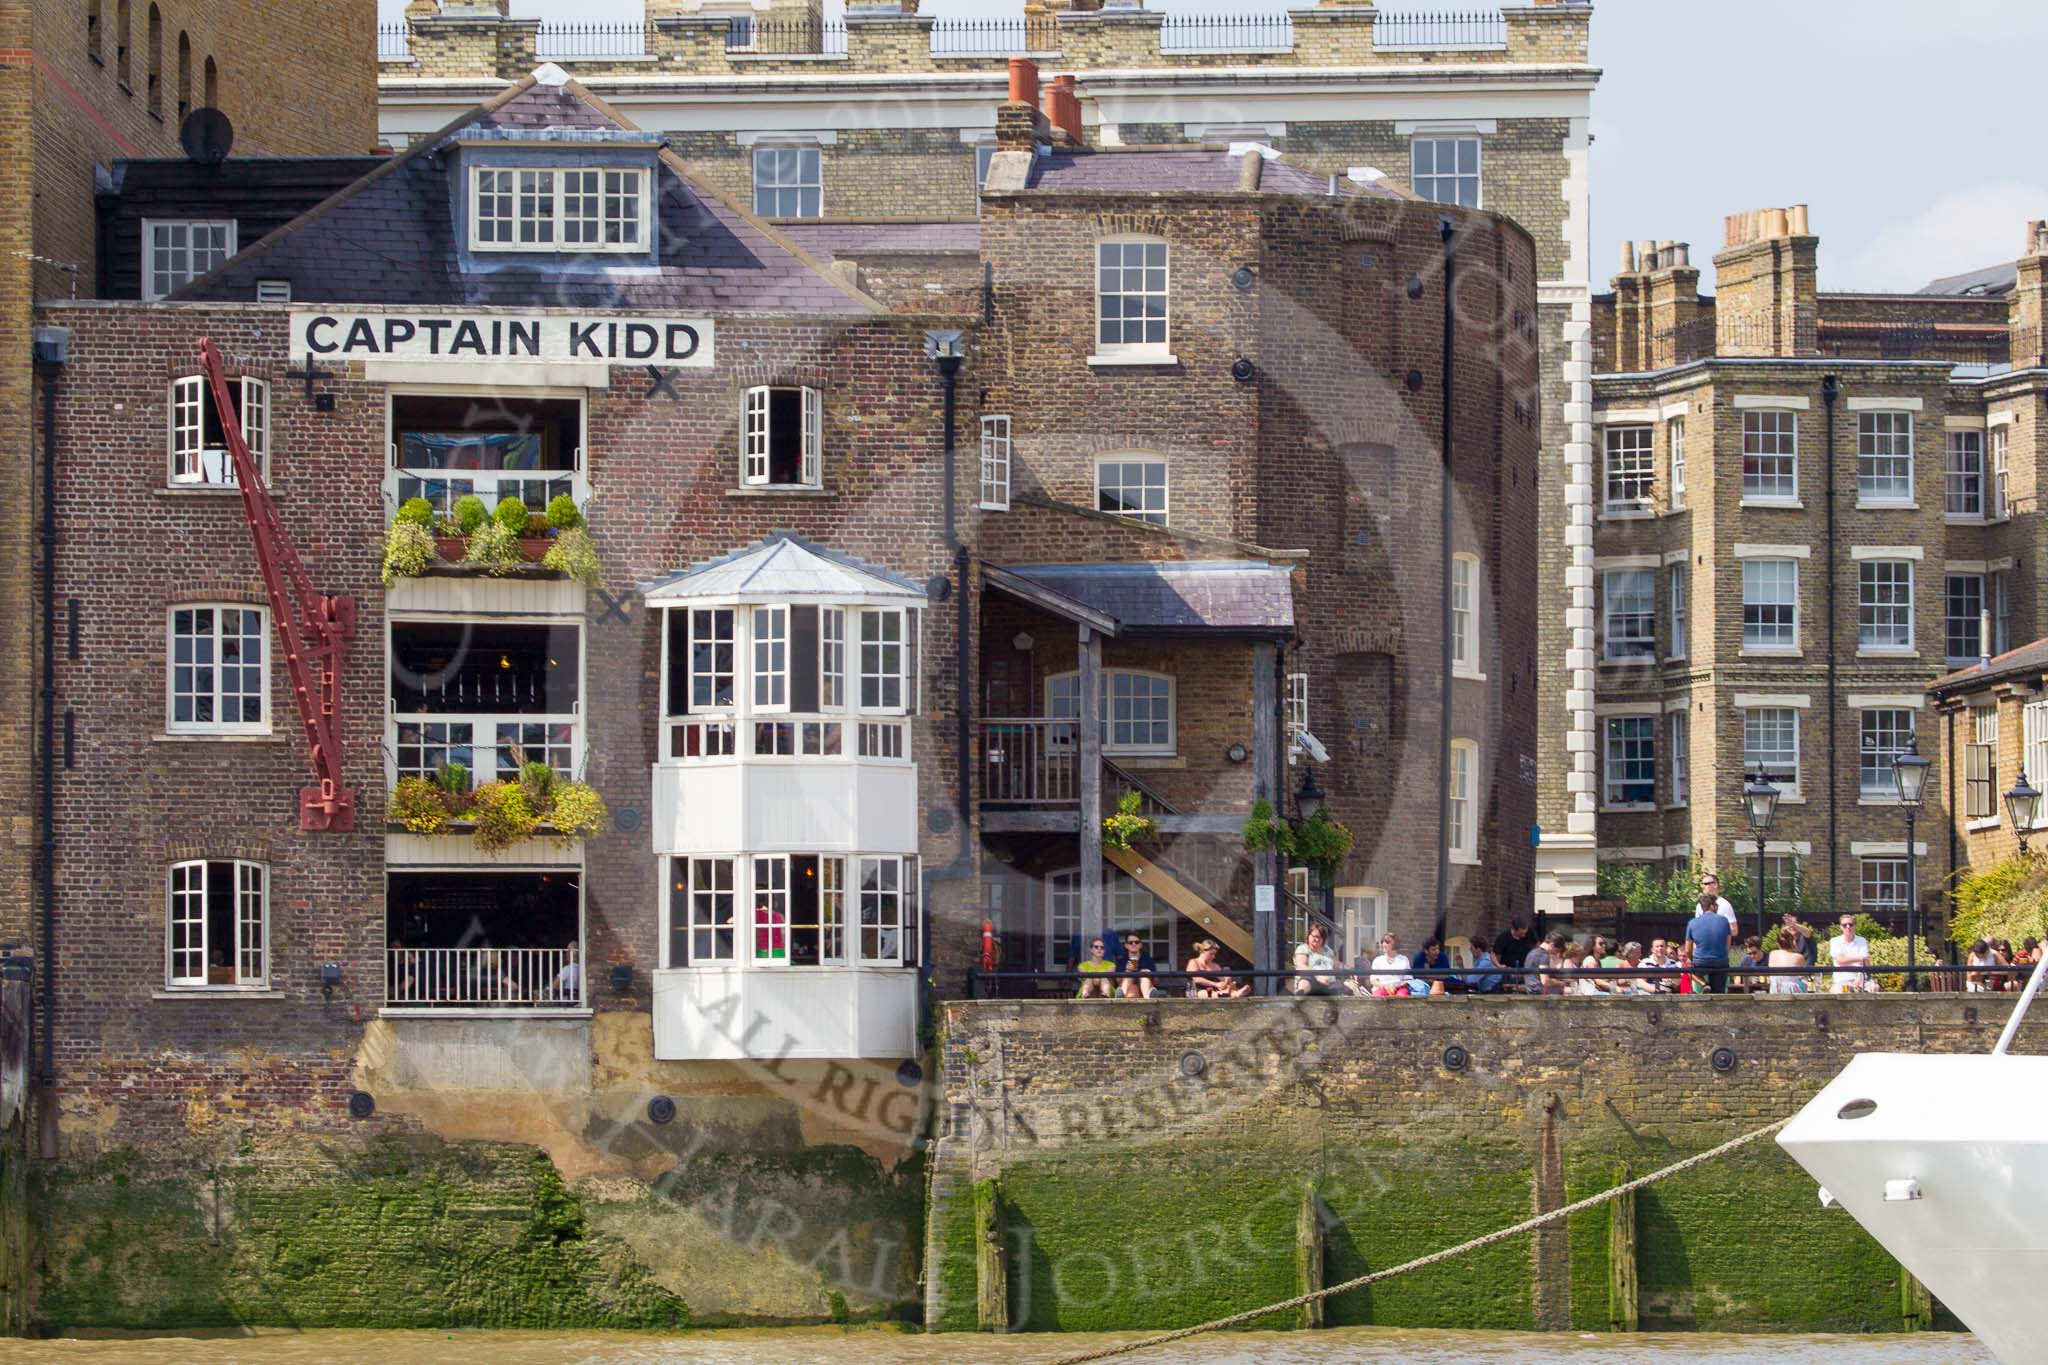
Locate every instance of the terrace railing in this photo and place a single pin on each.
(484, 978)
(1467, 29)
(553, 41)
(994, 37)
(1226, 33)
(1030, 760)
(394, 42)
(787, 37)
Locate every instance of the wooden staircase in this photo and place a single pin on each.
(1166, 887)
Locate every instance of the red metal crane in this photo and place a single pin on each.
(314, 627)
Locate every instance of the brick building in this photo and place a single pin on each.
(867, 139)
(82, 84)
(1812, 505)
(1993, 736)
(840, 679)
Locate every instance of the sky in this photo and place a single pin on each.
(1900, 122)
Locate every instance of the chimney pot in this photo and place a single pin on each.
(1797, 216)
(1628, 258)
(1684, 250)
(1023, 81)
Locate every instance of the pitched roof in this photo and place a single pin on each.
(2028, 661)
(1987, 282)
(861, 239)
(391, 238)
(1231, 595)
(781, 567)
(1210, 170)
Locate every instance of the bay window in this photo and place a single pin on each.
(795, 911)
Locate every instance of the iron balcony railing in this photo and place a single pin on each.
(590, 40)
(787, 37)
(394, 42)
(485, 978)
(1226, 33)
(994, 37)
(1455, 29)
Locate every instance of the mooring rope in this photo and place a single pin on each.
(1434, 1258)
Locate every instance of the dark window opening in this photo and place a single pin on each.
(460, 667)
(785, 435)
(450, 447)
(476, 938)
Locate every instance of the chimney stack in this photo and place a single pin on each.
(1019, 125)
(1767, 300)
(1656, 304)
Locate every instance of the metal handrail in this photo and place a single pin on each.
(1506, 973)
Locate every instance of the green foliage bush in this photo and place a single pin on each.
(538, 779)
(2007, 900)
(1126, 826)
(578, 811)
(453, 778)
(408, 549)
(417, 805)
(512, 514)
(573, 556)
(563, 514)
(503, 815)
(419, 512)
(470, 513)
(1321, 842)
(494, 547)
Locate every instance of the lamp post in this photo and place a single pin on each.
(1308, 801)
(2023, 804)
(1761, 797)
(1909, 773)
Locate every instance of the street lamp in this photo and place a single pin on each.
(2023, 804)
(1909, 772)
(1308, 800)
(1761, 796)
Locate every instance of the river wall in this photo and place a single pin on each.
(1112, 1166)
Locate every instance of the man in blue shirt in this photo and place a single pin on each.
(1708, 935)
(1478, 979)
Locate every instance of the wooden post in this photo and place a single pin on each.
(1266, 871)
(16, 1015)
(1623, 1300)
(991, 1279)
(1916, 1305)
(1308, 1255)
(1090, 701)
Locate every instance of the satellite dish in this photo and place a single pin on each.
(206, 135)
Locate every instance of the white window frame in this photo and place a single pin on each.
(1062, 702)
(1679, 737)
(768, 656)
(1462, 782)
(757, 436)
(2000, 506)
(189, 461)
(704, 896)
(1629, 479)
(172, 725)
(1361, 917)
(1428, 184)
(832, 688)
(879, 667)
(1874, 781)
(1788, 784)
(1757, 643)
(2000, 592)
(883, 909)
(1157, 516)
(1963, 475)
(1770, 434)
(804, 152)
(178, 889)
(995, 463)
(1674, 445)
(533, 184)
(1639, 642)
(1880, 481)
(1678, 591)
(1973, 621)
(153, 285)
(1465, 616)
(1980, 767)
(2034, 746)
(1122, 346)
(1297, 713)
(1884, 625)
(1890, 870)
(1623, 741)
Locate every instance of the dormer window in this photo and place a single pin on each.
(558, 208)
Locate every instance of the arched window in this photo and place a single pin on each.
(156, 61)
(212, 85)
(184, 76)
(122, 33)
(1137, 709)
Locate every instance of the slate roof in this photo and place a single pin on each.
(2027, 661)
(390, 238)
(1242, 596)
(781, 567)
(1989, 282)
(1211, 170)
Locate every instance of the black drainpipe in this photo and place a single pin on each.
(948, 349)
(50, 353)
(1443, 710)
(1830, 388)
(1949, 777)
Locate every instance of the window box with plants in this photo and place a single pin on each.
(502, 542)
(499, 813)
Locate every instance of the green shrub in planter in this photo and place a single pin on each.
(512, 515)
(539, 781)
(579, 811)
(573, 556)
(418, 807)
(408, 549)
(419, 512)
(470, 513)
(563, 514)
(494, 547)
(503, 815)
(453, 778)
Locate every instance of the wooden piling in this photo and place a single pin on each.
(991, 1279)
(1308, 1255)
(1623, 1300)
(1916, 1304)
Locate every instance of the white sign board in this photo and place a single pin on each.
(1263, 899)
(634, 339)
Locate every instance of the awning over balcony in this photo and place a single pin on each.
(1209, 597)
(783, 567)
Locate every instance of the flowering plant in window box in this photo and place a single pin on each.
(499, 542)
(500, 813)
(1127, 826)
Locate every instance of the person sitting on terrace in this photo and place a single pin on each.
(1660, 957)
(1206, 983)
(568, 983)
(1140, 966)
(1788, 954)
(1752, 956)
(1592, 961)
(1311, 954)
(1546, 959)
(1390, 969)
(1095, 969)
(1980, 956)
(1512, 947)
(1477, 978)
(1631, 957)
(1432, 958)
